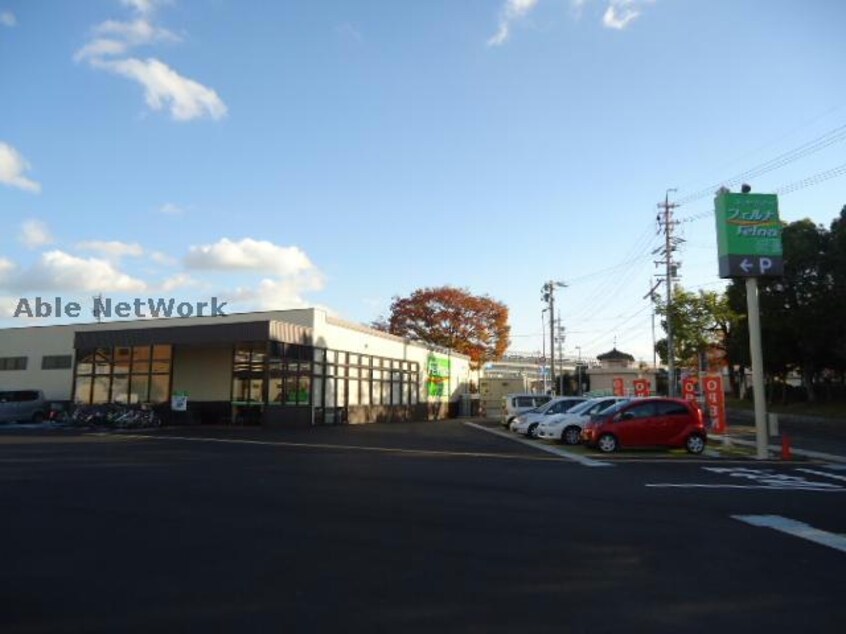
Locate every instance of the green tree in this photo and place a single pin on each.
(701, 321)
(797, 329)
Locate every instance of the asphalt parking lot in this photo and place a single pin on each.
(403, 527)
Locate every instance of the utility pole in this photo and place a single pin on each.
(543, 345)
(561, 330)
(548, 295)
(579, 371)
(651, 296)
(668, 224)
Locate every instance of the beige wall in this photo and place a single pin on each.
(34, 343)
(204, 372)
(602, 378)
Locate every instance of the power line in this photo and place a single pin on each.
(829, 138)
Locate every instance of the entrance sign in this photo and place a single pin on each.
(715, 400)
(748, 235)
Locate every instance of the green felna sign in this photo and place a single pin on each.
(748, 235)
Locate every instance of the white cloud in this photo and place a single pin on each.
(112, 249)
(186, 98)
(6, 267)
(12, 168)
(511, 11)
(171, 209)
(60, 271)
(163, 258)
(7, 18)
(144, 7)
(34, 234)
(275, 294)
(180, 280)
(249, 254)
(620, 13)
(100, 47)
(137, 32)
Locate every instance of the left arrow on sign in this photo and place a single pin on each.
(746, 265)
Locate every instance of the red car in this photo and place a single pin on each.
(648, 422)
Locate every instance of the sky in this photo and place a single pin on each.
(339, 153)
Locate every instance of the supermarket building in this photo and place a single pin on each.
(276, 368)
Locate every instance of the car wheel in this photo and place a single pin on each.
(695, 444)
(533, 430)
(607, 443)
(572, 436)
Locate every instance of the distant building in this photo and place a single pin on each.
(617, 364)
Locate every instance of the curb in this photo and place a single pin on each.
(805, 453)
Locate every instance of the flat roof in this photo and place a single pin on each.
(232, 332)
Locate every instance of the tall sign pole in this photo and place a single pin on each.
(749, 246)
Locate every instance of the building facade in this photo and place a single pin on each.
(276, 368)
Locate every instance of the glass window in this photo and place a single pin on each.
(85, 362)
(159, 367)
(352, 392)
(120, 388)
(103, 361)
(290, 388)
(304, 396)
(100, 393)
(141, 353)
(139, 390)
(159, 388)
(56, 362)
(341, 400)
(365, 392)
(122, 355)
(317, 386)
(162, 352)
(82, 390)
(240, 389)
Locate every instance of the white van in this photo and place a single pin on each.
(514, 404)
(22, 406)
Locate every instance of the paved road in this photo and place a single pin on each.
(405, 527)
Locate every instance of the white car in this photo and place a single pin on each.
(567, 427)
(527, 422)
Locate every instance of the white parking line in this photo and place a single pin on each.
(587, 462)
(795, 528)
(823, 473)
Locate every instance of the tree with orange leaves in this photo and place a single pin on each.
(451, 318)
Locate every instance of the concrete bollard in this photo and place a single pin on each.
(772, 419)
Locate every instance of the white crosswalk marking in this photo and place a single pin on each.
(795, 528)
